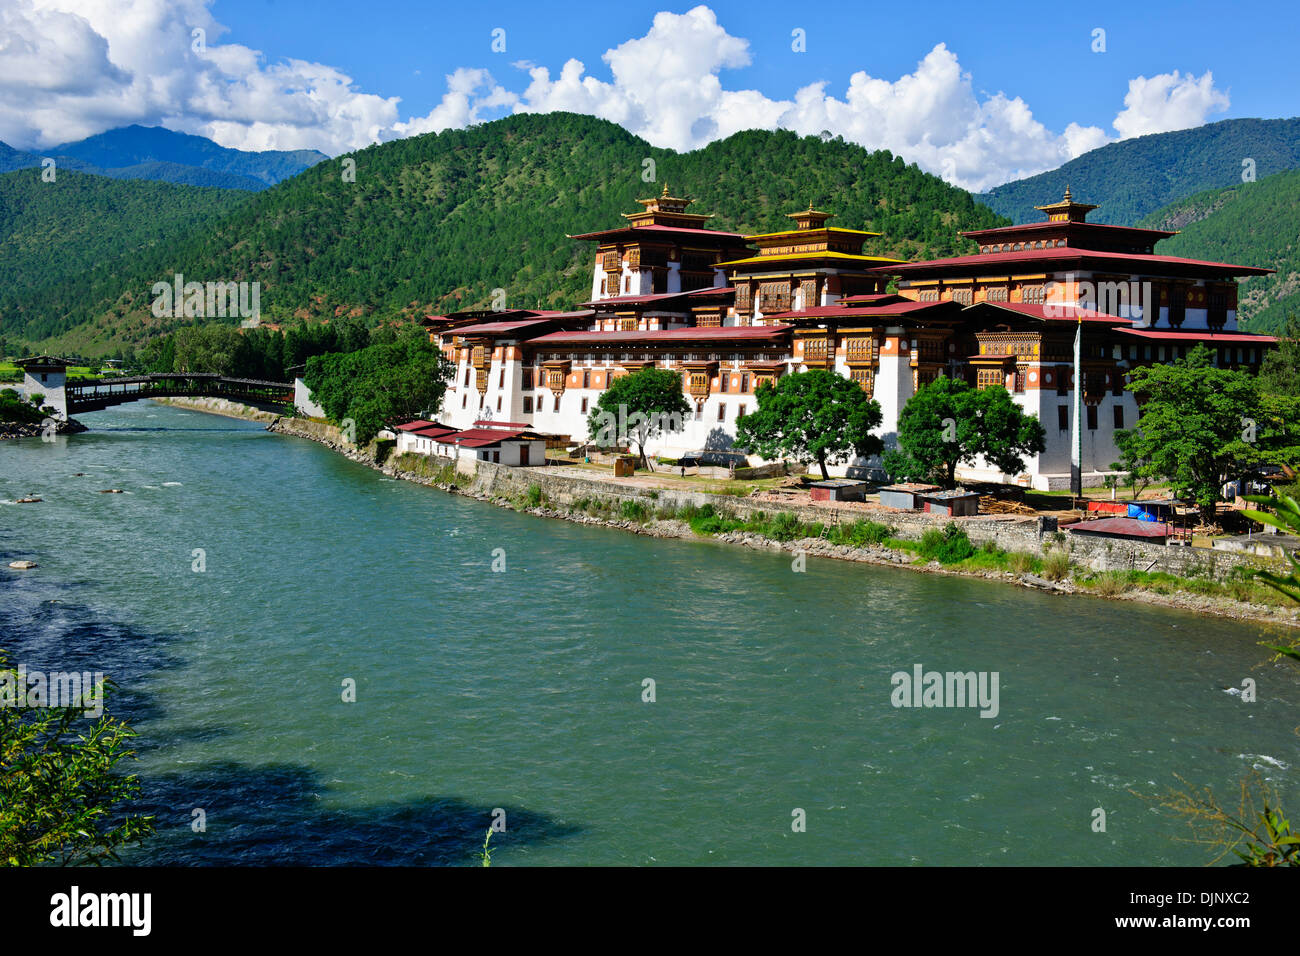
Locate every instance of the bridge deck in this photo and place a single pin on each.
(87, 395)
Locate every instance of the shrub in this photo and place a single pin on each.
(634, 511)
(785, 527)
(860, 533)
(1111, 583)
(947, 546)
(1022, 563)
(534, 496)
(1056, 565)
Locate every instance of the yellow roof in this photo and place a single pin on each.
(880, 260)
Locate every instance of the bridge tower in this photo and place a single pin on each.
(48, 376)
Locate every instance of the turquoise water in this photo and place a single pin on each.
(522, 689)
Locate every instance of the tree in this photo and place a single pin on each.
(638, 407)
(947, 423)
(61, 794)
(1198, 427)
(811, 416)
(379, 385)
(1280, 372)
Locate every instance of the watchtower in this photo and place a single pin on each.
(47, 376)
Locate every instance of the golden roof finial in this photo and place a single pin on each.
(665, 190)
(1067, 192)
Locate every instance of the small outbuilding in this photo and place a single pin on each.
(955, 504)
(839, 489)
(906, 496)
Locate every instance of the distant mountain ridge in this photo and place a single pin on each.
(1135, 177)
(1249, 223)
(163, 155)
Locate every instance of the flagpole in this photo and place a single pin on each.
(1076, 439)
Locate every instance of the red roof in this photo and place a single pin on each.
(1171, 335)
(1050, 312)
(1123, 527)
(497, 328)
(725, 333)
(636, 299)
(480, 437)
(1068, 254)
(848, 312)
(684, 230)
(489, 423)
(415, 425)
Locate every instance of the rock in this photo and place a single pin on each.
(1036, 582)
(111, 491)
(23, 565)
(27, 501)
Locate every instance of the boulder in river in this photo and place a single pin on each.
(22, 565)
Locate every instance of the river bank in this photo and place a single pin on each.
(35, 429)
(645, 520)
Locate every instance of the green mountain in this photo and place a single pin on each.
(151, 152)
(1136, 177)
(437, 222)
(1254, 224)
(73, 238)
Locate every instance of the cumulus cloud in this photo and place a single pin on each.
(71, 68)
(1167, 102)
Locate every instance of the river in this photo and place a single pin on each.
(523, 689)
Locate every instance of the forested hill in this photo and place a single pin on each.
(1136, 177)
(437, 222)
(73, 239)
(1250, 223)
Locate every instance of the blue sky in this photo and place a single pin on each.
(978, 93)
(1038, 50)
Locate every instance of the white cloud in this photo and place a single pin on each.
(1167, 102)
(71, 68)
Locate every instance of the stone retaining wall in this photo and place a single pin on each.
(1010, 532)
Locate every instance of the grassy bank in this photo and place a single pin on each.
(949, 546)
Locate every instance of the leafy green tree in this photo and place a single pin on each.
(947, 423)
(62, 795)
(814, 416)
(1198, 427)
(1280, 372)
(379, 385)
(638, 407)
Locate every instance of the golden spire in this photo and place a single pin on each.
(1067, 192)
(665, 190)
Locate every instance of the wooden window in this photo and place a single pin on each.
(1092, 417)
(528, 404)
(963, 296)
(1033, 294)
(1177, 305)
(584, 405)
(774, 297)
(996, 294)
(1217, 314)
(988, 377)
(498, 403)
(740, 411)
(1119, 415)
(724, 381)
(744, 382)
(863, 378)
(467, 378)
(722, 412)
(1063, 417)
(557, 404)
(501, 379)
(528, 380)
(699, 411)
(928, 295)
(1020, 380)
(586, 378)
(858, 350)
